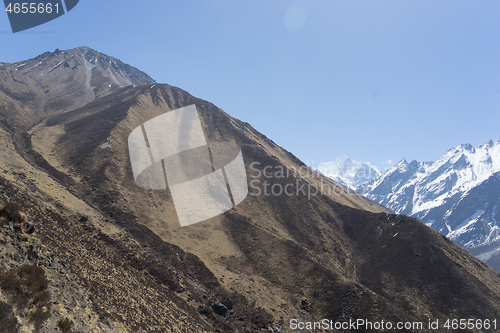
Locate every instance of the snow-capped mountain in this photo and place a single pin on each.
(458, 195)
(348, 172)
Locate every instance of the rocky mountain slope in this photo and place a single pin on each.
(60, 81)
(27, 295)
(274, 257)
(349, 173)
(458, 195)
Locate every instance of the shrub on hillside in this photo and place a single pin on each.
(26, 287)
(65, 324)
(13, 212)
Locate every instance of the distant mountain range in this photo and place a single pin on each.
(457, 195)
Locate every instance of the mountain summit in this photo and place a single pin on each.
(458, 195)
(61, 81)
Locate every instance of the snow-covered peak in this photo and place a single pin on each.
(392, 179)
(401, 167)
(348, 172)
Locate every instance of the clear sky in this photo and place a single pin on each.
(376, 80)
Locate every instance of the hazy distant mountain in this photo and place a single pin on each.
(458, 195)
(108, 256)
(349, 173)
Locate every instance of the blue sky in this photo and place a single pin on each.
(376, 80)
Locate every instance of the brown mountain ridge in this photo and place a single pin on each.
(271, 259)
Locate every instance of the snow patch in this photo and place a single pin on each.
(60, 62)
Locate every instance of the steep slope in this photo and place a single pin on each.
(293, 256)
(276, 256)
(457, 195)
(349, 173)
